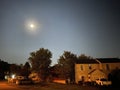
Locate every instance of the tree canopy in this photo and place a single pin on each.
(4, 68)
(114, 76)
(40, 61)
(25, 70)
(83, 56)
(66, 63)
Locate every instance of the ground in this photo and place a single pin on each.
(51, 86)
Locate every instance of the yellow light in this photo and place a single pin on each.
(32, 25)
(13, 76)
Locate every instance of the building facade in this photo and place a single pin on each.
(90, 70)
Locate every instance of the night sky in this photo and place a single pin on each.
(90, 27)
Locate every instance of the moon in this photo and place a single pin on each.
(32, 25)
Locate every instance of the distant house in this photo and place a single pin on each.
(90, 70)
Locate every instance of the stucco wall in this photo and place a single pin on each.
(95, 74)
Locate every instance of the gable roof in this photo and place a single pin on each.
(109, 60)
(86, 61)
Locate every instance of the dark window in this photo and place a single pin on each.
(81, 67)
(107, 67)
(89, 65)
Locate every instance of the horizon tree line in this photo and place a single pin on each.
(40, 62)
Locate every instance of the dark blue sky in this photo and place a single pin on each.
(90, 27)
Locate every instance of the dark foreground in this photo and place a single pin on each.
(51, 86)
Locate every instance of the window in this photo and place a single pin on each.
(89, 66)
(107, 67)
(81, 67)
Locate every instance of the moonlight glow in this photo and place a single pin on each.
(32, 25)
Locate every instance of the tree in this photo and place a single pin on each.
(114, 76)
(57, 71)
(40, 62)
(4, 69)
(25, 70)
(15, 69)
(83, 56)
(66, 63)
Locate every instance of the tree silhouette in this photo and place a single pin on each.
(25, 70)
(83, 56)
(4, 68)
(66, 63)
(114, 76)
(40, 62)
(15, 69)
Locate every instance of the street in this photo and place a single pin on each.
(4, 85)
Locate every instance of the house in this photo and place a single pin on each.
(92, 69)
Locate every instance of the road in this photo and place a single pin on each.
(5, 86)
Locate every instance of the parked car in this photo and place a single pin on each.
(103, 82)
(24, 81)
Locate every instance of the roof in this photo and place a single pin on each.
(109, 60)
(86, 61)
(94, 61)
